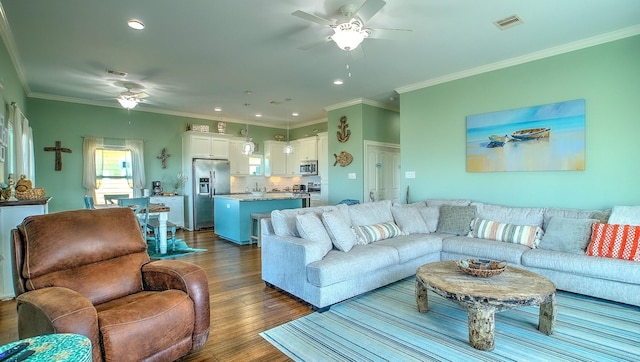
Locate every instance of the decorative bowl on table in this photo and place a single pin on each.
(258, 193)
(481, 267)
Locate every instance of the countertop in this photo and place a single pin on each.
(267, 196)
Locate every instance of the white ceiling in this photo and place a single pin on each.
(198, 54)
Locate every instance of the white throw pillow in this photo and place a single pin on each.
(310, 227)
(339, 230)
(409, 219)
(625, 215)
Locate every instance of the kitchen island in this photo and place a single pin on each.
(232, 213)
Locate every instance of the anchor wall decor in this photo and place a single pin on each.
(343, 133)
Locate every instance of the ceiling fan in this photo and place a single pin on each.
(349, 29)
(132, 96)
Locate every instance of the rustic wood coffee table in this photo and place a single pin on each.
(483, 297)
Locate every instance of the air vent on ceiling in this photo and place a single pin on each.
(116, 72)
(508, 22)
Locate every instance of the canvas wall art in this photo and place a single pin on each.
(548, 137)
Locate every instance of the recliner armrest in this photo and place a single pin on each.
(191, 279)
(57, 310)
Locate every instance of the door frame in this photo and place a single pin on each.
(365, 181)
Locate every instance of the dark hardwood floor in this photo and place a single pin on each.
(241, 305)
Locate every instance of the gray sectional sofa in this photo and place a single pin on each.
(324, 255)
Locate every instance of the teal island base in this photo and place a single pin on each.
(232, 213)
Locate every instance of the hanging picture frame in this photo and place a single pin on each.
(549, 137)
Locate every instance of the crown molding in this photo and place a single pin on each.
(561, 49)
(7, 37)
(358, 101)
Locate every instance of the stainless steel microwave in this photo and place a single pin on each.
(308, 167)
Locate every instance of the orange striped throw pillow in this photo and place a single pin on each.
(615, 241)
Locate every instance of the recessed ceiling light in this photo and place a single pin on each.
(258, 115)
(135, 24)
(295, 114)
(217, 109)
(338, 82)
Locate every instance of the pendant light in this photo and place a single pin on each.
(247, 147)
(288, 149)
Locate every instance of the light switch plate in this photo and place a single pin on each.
(410, 174)
(352, 175)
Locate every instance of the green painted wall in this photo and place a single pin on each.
(13, 92)
(433, 129)
(366, 122)
(69, 122)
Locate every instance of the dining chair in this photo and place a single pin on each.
(88, 202)
(140, 206)
(113, 198)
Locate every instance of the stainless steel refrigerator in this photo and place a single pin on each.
(210, 177)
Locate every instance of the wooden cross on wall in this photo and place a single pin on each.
(164, 157)
(58, 149)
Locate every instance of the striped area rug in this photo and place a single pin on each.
(384, 325)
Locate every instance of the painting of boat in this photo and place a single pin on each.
(496, 141)
(531, 134)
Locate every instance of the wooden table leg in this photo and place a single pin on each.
(482, 327)
(547, 318)
(421, 297)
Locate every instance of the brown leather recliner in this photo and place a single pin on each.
(88, 272)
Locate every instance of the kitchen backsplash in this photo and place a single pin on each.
(240, 184)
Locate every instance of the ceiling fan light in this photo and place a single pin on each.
(127, 102)
(347, 39)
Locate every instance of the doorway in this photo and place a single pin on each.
(382, 171)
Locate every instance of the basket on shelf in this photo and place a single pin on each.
(481, 267)
(30, 194)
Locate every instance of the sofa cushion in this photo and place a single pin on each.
(430, 214)
(361, 260)
(528, 235)
(370, 213)
(625, 215)
(369, 233)
(463, 246)
(600, 215)
(615, 241)
(455, 219)
(284, 221)
(567, 234)
(310, 228)
(602, 268)
(414, 246)
(511, 215)
(454, 202)
(339, 230)
(409, 218)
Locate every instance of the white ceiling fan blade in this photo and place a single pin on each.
(315, 43)
(312, 18)
(369, 9)
(385, 33)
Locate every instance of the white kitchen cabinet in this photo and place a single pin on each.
(239, 163)
(205, 145)
(278, 163)
(176, 206)
(11, 215)
(307, 148)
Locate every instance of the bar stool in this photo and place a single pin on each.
(255, 227)
(154, 224)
